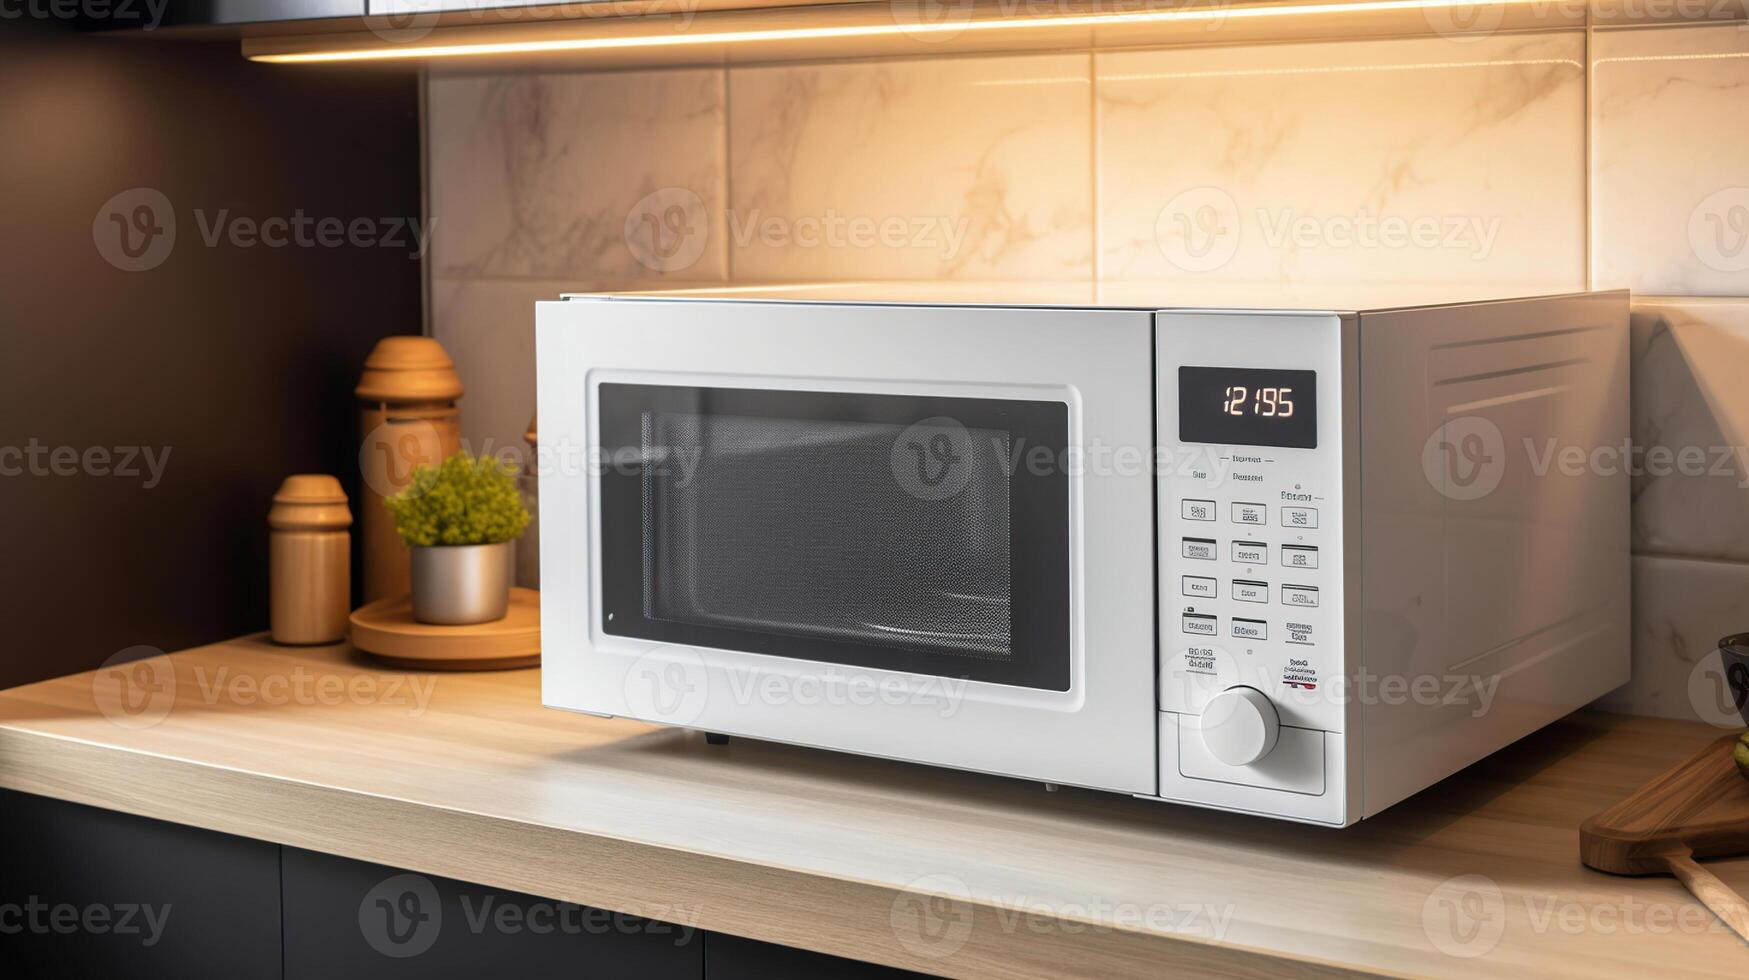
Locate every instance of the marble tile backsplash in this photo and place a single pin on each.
(1682, 606)
(971, 168)
(1404, 161)
(1670, 169)
(1509, 164)
(1690, 411)
(541, 175)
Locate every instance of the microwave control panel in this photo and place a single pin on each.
(1249, 421)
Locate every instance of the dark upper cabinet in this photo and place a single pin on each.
(155, 14)
(124, 15)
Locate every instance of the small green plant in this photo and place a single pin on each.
(464, 501)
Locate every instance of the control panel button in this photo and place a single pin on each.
(1299, 556)
(1197, 585)
(1303, 596)
(1250, 591)
(1250, 553)
(1239, 726)
(1200, 625)
(1202, 549)
(1304, 517)
(1250, 514)
(1199, 510)
(1300, 633)
(1251, 629)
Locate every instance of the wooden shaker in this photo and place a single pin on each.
(310, 560)
(408, 417)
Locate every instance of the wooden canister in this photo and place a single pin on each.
(310, 560)
(408, 417)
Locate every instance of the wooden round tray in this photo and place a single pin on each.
(386, 630)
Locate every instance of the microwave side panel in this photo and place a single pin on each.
(1496, 575)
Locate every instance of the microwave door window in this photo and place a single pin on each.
(778, 525)
(872, 530)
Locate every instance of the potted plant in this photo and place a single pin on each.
(459, 519)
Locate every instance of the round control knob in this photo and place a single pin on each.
(1240, 726)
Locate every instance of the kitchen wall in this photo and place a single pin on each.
(160, 381)
(1403, 169)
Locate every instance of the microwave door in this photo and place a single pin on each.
(861, 528)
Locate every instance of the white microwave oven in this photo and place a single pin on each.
(1297, 563)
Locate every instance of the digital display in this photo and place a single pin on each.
(1248, 407)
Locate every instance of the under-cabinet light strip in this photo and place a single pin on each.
(390, 50)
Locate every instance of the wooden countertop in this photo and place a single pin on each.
(466, 775)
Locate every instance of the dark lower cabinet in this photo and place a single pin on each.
(734, 958)
(348, 920)
(86, 892)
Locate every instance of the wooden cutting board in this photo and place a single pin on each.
(1698, 810)
(387, 630)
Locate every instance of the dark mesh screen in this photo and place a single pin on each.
(814, 528)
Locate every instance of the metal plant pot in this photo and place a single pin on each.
(455, 585)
